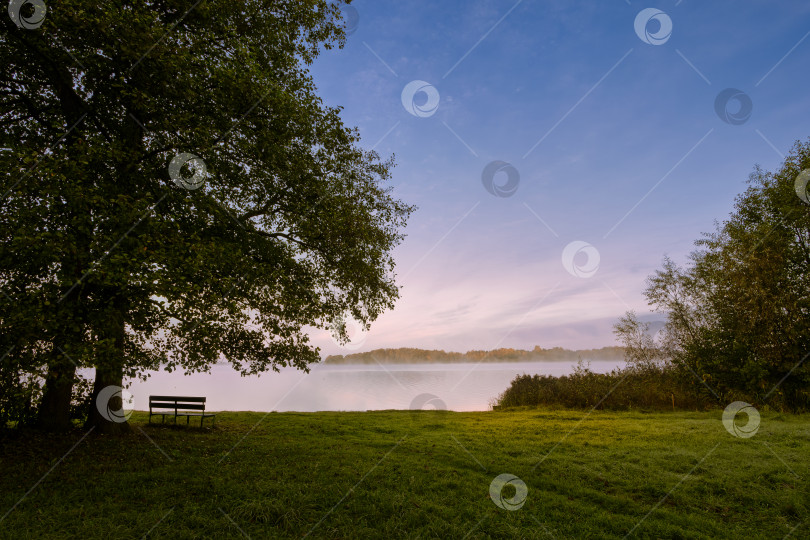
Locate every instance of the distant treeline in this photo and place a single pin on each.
(421, 356)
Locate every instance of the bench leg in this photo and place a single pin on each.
(187, 419)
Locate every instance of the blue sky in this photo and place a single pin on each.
(614, 136)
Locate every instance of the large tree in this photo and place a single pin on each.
(176, 194)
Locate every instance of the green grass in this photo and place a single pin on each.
(395, 474)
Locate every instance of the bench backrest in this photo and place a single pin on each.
(177, 403)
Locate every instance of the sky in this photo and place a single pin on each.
(557, 150)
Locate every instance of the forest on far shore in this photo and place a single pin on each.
(421, 356)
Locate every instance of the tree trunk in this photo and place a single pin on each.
(107, 414)
(54, 411)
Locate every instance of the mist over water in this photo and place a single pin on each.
(461, 386)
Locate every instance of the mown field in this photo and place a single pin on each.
(397, 474)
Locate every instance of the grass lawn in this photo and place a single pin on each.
(396, 474)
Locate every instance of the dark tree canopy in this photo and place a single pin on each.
(175, 193)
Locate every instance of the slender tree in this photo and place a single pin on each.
(737, 314)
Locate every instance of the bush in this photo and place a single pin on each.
(651, 387)
(20, 393)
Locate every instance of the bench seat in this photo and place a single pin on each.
(179, 406)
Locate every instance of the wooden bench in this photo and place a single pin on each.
(180, 406)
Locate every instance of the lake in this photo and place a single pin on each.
(458, 386)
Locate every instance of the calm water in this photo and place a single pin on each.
(462, 387)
